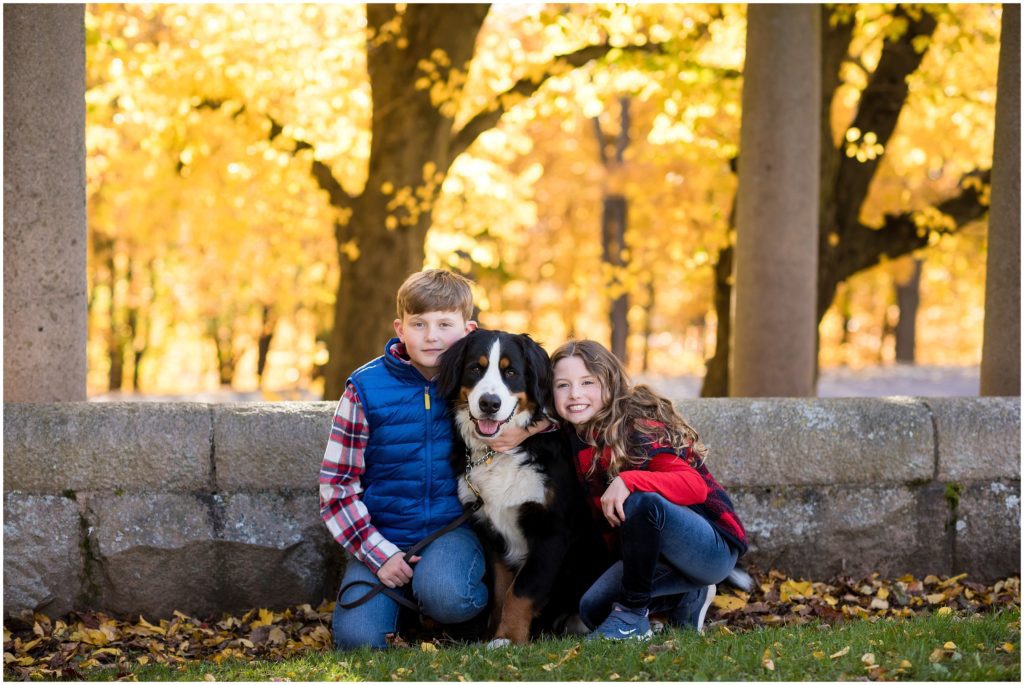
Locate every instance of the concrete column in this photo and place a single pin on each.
(776, 270)
(44, 203)
(1000, 351)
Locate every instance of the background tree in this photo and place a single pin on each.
(213, 128)
(851, 164)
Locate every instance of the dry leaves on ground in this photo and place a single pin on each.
(777, 599)
(38, 647)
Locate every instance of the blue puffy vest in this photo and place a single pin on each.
(408, 485)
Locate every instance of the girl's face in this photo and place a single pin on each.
(578, 392)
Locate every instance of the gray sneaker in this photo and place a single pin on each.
(692, 611)
(623, 624)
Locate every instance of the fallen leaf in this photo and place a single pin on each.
(842, 652)
(952, 581)
(766, 660)
(868, 659)
(728, 602)
(793, 588)
(428, 647)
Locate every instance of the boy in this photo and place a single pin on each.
(386, 482)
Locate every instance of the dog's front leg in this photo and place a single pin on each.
(503, 577)
(516, 616)
(531, 588)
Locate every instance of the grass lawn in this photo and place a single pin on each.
(925, 647)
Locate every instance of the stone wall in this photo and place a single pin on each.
(149, 507)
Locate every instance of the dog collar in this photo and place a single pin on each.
(471, 463)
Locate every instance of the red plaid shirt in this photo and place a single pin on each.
(340, 505)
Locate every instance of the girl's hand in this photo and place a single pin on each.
(396, 572)
(513, 435)
(611, 502)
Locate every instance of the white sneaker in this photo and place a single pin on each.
(711, 591)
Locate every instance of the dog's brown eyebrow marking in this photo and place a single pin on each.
(505, 361)
(483, 361)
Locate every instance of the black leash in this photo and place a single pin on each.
(376, 588)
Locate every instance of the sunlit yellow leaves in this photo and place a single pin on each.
(863, 146)
(350, 248)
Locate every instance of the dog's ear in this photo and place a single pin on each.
(538, 376)
(450, 373)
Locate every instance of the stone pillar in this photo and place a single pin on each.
(1000, 351)
(774, 301)
(44, 203)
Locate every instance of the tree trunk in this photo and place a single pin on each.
(908, 299)
(648, 326)
(613, 241)
(411, 148)
(221, 331)
(1000, 352)
(716, 377)
(115, 344)
(268, 322)
(776, 261)
(613, 229)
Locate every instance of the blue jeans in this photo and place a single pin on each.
(447, 584)
(668, 551)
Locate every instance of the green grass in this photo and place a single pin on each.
(797, 653)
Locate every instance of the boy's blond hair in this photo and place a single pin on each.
(435, 290)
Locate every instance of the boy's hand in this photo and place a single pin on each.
(396, 572)
(512, 436)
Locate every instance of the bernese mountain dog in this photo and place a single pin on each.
(529, 512)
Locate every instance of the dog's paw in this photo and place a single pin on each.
(499, 643)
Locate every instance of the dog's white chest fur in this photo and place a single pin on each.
(504, 485)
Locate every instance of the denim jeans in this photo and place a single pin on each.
(447, 584)
(668, 551)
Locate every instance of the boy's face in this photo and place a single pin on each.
(428, 335)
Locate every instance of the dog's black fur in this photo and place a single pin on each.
(542, 545)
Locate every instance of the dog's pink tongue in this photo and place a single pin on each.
(486, 427)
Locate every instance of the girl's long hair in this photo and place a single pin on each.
(633, 416)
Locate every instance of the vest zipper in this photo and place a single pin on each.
(429, 454)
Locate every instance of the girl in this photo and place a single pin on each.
(642, 468)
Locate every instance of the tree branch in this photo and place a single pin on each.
(900, 234)
(879, 110)
(320, 171)
(525, 87)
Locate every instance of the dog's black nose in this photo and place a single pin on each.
(490, 403)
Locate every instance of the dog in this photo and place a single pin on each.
(528, 509)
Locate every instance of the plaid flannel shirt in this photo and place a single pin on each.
(344, 463)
